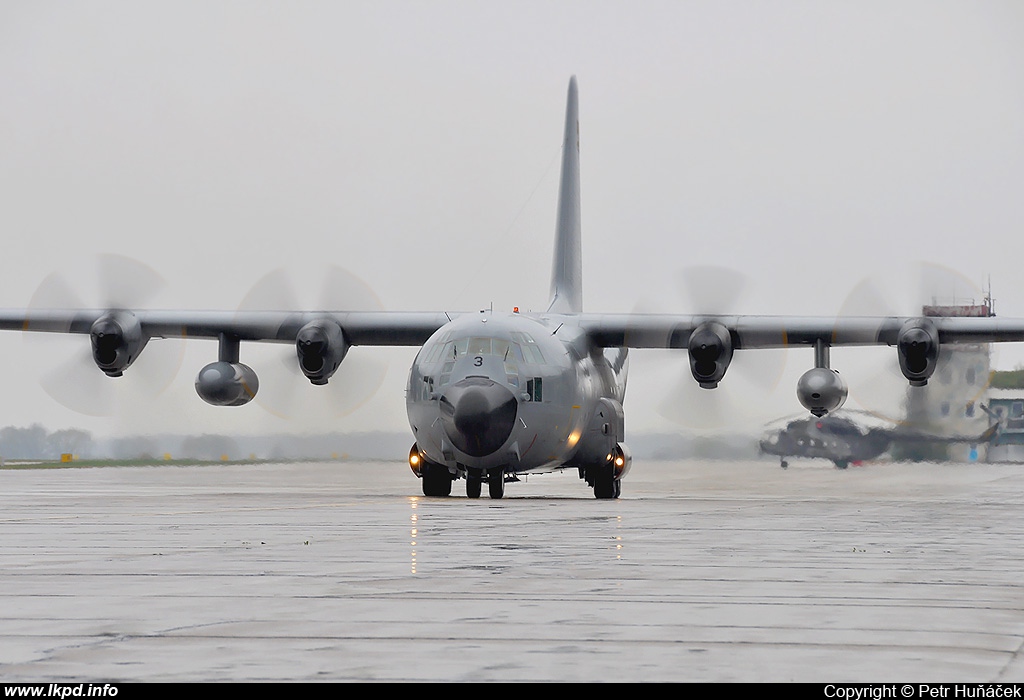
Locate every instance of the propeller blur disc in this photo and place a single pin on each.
(752, 376)
(876, 383)
(284, 390)
(72, 379)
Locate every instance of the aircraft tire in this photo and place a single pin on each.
(473, 485)
(496, 483)
(437, 481)
(605, 485)
(842, 464)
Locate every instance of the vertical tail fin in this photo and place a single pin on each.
(567, 270)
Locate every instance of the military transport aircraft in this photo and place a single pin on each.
(844, 441)
(492, 395)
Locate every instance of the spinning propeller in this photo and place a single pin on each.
(73, 378)
(877, 383)
(750, 375)
(283, 389)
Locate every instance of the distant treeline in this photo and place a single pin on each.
(38, 443)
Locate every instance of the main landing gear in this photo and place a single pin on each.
(605, 484)
(437, 481)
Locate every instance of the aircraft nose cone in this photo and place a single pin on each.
(478, 415)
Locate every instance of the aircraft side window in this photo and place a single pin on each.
(535, 388)
(969, 410)
(945, 408)
(969, 375)
(1017, 409)
(428, 388)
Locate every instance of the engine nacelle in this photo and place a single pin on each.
(320, 346)
(710, 349)
(918, 348)
(117, 340)
(821, 390)
(227, 384)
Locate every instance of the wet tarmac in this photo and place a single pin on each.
(709, 571)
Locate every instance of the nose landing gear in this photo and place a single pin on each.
(495, 483)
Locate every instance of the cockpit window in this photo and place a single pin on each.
(531, 351)
(479, 346)
(433, 353)
(522, 350)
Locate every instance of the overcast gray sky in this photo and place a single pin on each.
(806, 145)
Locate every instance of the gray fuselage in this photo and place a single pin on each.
(534, 385)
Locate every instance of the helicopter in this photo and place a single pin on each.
(844, 441)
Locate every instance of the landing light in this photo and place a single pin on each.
(574, 437)
(415, 461)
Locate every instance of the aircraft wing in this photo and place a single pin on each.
(746, 332)
(322, 339)
(607, 330)
(360, 328)
(711, 340)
